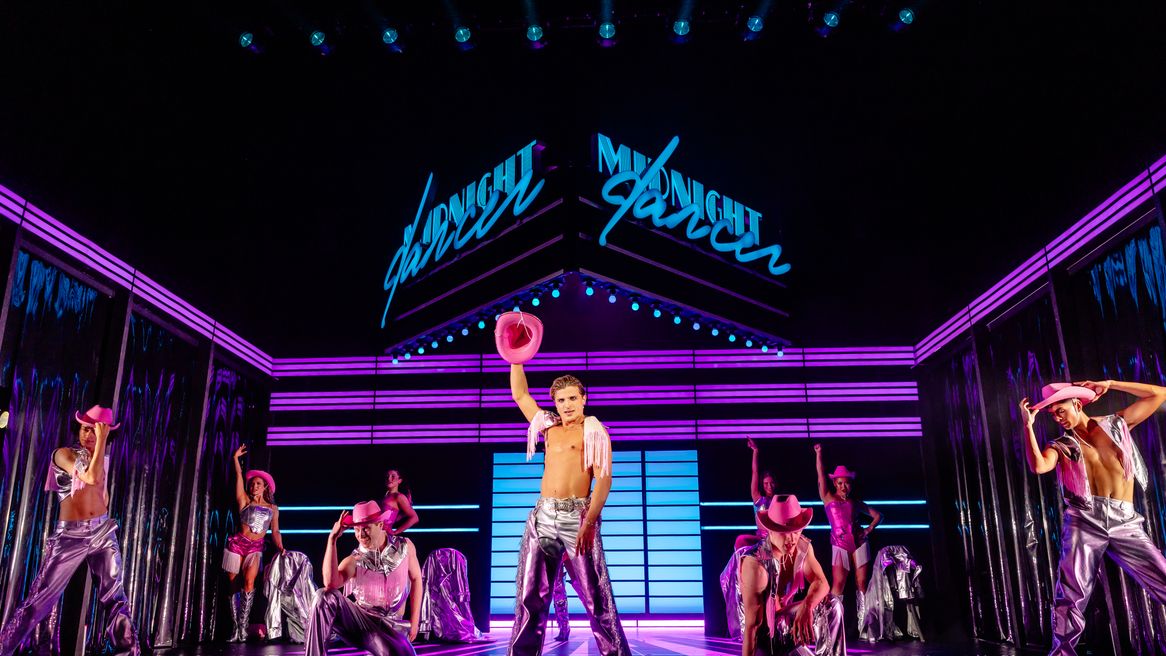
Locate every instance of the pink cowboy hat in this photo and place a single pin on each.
(518, 336)
(259, 473)
(842, 472)
(785, 514)
(365, 512)
(1057, 392)
(96, 415)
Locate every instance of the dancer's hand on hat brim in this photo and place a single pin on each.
(1098, 388)
(338, 528)
(1027, 413)
(101, 431)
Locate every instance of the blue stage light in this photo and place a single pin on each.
(394, 360)
(389, 36)
(656, 313)
(611, 298)
(681, 27)
(534, 33)
(462, 34)
(748, 343)
(676, 320)
(556, 293)
(715, 332)
(433, 343)
(245, 39)
(780, 352)
(535, 302)
(420, 350)
(317, 38)
(755, 24)
(765, 348)
(696, 325)
(408, 356)
(448, 338)
(732, 338)
(465, 331)
(607, 30)
(635, 306)
(515, 308)
(481, 324)
(590, 291)
(906, 16)
(831, 19)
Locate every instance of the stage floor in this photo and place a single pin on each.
(644, 642)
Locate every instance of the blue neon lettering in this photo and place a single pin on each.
(645, 200)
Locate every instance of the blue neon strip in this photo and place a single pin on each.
(463, 506)
(322, 531)
(824, 527)
(872, 502)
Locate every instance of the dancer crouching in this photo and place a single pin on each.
(364, 596)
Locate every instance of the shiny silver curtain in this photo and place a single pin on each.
(51, 359)
(1108, 316)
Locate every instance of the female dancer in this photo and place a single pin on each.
(761, 495)
(399, 503)
(848, 537)
(257, 512)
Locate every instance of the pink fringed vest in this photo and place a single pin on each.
(1071, 464)
(596, 441)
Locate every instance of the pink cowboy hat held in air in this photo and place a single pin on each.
(518, 336)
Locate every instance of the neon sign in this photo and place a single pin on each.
(467, 216)
(729, 226)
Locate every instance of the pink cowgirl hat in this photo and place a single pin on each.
(365, 512)
(518, 336)
(259, 473)
(1057, 392)
(96, 415)
(785, 514)
(842, 472)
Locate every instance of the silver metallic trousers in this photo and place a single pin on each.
(92, 541)
(1110, 527)
(548, 543)
(830, 634)
(333, 614)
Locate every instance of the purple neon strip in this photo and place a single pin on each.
(318, 442)
(280, 362)
(1100, 214)
(75, 252)
(221, 331)
(239, 347)
(142, 280)
(422, 440)
(867, 434)
(12, 195)
(895, 350)
(1093, 232)
(867, 420)
(77, 246)
(164, 303)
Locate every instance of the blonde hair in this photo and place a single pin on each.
(563, 382)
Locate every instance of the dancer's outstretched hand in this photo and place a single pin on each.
(752, 444)
(586, 539)
(241, 451)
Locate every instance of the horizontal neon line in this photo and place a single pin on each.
(819, 527)
(446, 507)
(321, 531)
(873, 502)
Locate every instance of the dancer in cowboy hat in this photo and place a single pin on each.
(257, 513)
(773, 574)
(762, 487)
(850, 546)
(85, 534)
(564, 525)
(364, 596)
(1097, 462)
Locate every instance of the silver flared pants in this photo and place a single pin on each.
(91, 541)
(548, 543)
(333, 614)
(1109, 527)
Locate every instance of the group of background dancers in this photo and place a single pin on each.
(787, 601)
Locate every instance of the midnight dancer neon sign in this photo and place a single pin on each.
(729, 226)
(467, 216)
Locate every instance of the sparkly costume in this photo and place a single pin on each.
(369, 613)
(241, 551)
(549, 542)
(785, 581)
(1094, 526)
(92, 541)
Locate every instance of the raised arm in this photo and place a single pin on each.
(405, 507)
(240, 484)
(754, 480)
(751, 580)
(416, 589)
(275, 536)
(1150, 398)
(334, 575)
(1039, 462)
(521, 393)
(803, 626)
(823, 489)
(96, 471)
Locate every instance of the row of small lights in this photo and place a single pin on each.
(554, 290)
(534, 33)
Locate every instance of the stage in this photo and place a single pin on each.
(644, 642)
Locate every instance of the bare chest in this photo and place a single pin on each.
(564, 441)
(1100, 452)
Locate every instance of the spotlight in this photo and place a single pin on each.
(448, 338)
(607, 30)
(589, 288)
(635, 304)
(317, 38)
(611, 294)
(780, 351)
(465, 331)
(681, 27)
(696, 325)
(246, 39)
(433, 344)
(765, 348)
(714, 332)
(732, 337)
(389, 36)
(555, 293)
(748, 343)
(462, 34)
(408, 355)
(906, 16)
(481, 324)
(831, 19)
(656, 313)
(755, 24)
(420, 350)
(534, 33)
(535, 301)
(676, 319)
(516, 308)
(394, 359)
(656, 310)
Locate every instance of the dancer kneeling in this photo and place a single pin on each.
(772, 574)
(364, 596)
(257, 513)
